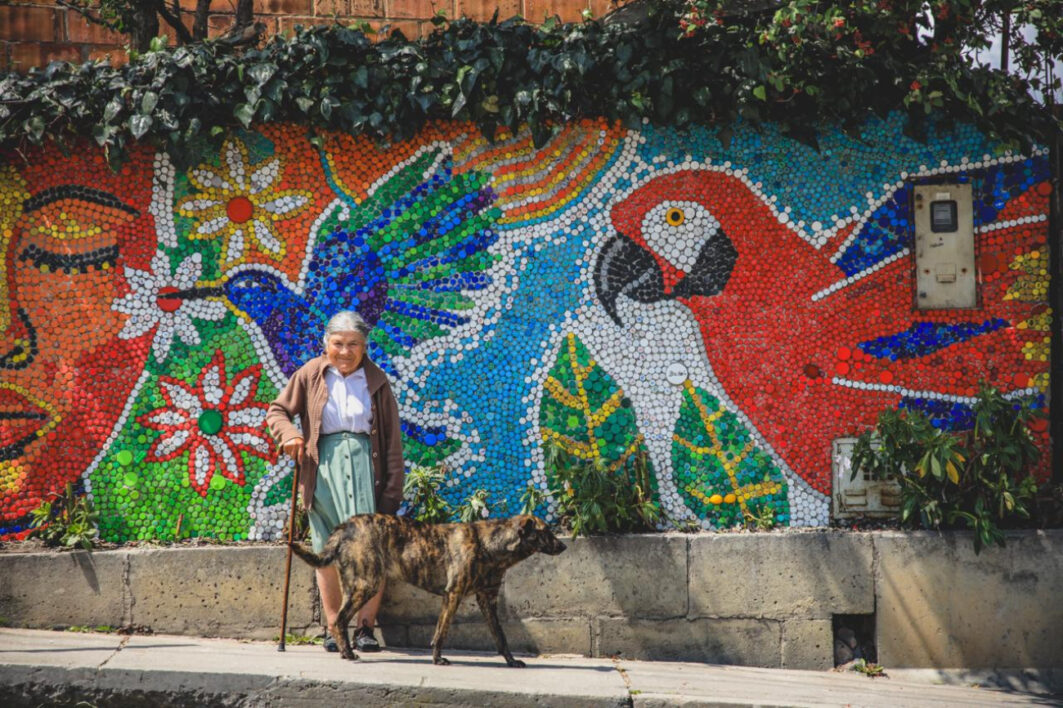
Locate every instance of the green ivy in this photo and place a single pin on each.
(978, 478)
(494, 74)
(840, 61)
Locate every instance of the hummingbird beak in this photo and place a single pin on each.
(193, 293)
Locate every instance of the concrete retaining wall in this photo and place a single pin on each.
(752, 599)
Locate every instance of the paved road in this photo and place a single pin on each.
(63, 667)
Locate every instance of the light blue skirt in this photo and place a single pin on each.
(344, 484)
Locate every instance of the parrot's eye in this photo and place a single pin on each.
(675, 216)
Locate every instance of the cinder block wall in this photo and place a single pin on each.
(35, 32)
(748, 599)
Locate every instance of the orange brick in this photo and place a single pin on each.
(331, 8)
(25, 55)
(366, 8)
(217, 25)
(483, 10)
(411, 29)
(538, 10)
(286, 25)
(417, 9)
(29, 23)
(116, 55)
(78, 29)
(220, 24)
(170, 32)
(384, 28)
(188, 10)
(601, 8)
(284, 7)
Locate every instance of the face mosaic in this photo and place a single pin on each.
(724, 312)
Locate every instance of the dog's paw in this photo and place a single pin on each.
(349, 655)
(440, 661)
(516, 663)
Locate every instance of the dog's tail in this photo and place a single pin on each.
(318, 561)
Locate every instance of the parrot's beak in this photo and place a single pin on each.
(626, 268)
(712, 269)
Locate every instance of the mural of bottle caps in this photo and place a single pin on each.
(723, 312)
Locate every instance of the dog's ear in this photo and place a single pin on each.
(524, 526)
(528, 525)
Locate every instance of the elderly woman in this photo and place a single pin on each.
(349, 451)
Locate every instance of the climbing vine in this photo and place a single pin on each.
(839, 60)
(512, 73)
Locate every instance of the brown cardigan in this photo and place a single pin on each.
(306, 395)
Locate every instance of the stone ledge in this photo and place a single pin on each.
(808, 575)
(222, 592)
(72, 589)
(941, 605)
(759, 599)
(716, 641)
(636, 575)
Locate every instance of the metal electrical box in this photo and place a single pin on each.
(945, 275)
(861, 496)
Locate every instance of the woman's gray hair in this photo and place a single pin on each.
(345, 321)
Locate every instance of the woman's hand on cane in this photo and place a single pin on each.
(294, 448)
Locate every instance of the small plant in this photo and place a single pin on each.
(868, 669)
(421, 488)
(593, 498)
(299, 640)
(532, 498)
(978, 477)
(687, 525)
(475, 507)
(84, 629)
(67, 521)
(763, 519)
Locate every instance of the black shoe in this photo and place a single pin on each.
(330, 644)
(365, 641)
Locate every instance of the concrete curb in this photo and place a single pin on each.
(62, 668)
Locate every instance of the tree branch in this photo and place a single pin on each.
(183, 35)
(199, 25)
(245, 14)
(88, 13)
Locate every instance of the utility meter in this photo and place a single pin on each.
(945, 275)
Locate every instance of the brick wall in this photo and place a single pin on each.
(34, 32)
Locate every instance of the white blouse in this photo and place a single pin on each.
(349, 407)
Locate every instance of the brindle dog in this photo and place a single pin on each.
(452, 560)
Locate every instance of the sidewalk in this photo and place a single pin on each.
(40, 667)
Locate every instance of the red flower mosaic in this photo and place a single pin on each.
(214, 421)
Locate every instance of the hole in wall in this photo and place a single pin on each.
(854, 638)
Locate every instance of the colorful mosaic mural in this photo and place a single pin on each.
(726, 310)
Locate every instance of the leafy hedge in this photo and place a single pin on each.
(500, 73)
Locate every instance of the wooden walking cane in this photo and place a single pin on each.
(288, 562)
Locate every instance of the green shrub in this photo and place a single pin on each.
(532, 498)
(67, 521)
(592, 498)
(474, 507)
(977, 478)
(421, 488)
